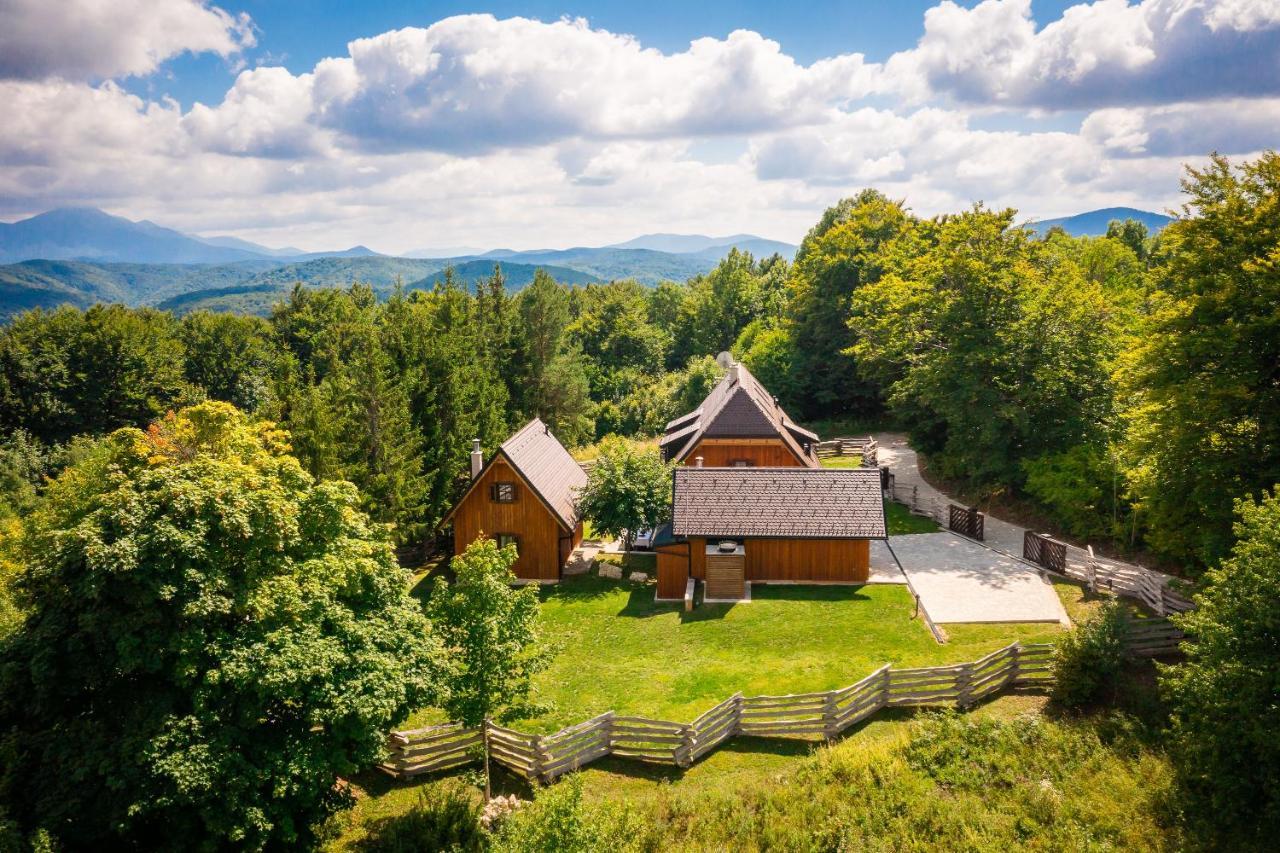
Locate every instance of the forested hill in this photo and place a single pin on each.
(244, 287)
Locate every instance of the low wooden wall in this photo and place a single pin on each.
(826, 714)
(782, 560)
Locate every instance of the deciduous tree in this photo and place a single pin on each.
(213, 638)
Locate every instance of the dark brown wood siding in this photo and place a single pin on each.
(540, 545)
(673, 569)
(846, 560)
(761, 452)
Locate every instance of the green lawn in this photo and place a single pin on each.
(902, 521)
(619, 650)
(854, 461)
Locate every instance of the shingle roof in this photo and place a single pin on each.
(543, 463)
(738, 407)
(548, 468)
(797, 503)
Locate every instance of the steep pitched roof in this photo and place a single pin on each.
(797, 503)
(738, 407)
(542, 462)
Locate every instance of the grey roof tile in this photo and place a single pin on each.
(782, 502)
(738, 407)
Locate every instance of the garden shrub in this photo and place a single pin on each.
(1087, 660)
(446, 819)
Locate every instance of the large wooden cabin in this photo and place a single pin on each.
(525, 494)
(739, 425)
(732, 526)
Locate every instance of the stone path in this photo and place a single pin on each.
(895, 452)
(959, 580)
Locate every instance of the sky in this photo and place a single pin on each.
(402, 126)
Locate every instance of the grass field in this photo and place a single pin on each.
(619, 650)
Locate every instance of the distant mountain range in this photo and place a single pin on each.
(1094, 223)
(80, 256)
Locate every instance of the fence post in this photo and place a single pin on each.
(829, 716)
(915, 497)
(1091, 572)
(1015, 663)
(488, 774)
(964, 685)
(539, 760)
(688, 742)
(1155, 592)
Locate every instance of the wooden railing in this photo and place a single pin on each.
(966, 521)
(1150, 638)
(543, 758)
(1043, 550)
(847, 446)
(1151, 588)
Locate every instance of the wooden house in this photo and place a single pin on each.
(739, 424)
(733, 526)
(525, 494)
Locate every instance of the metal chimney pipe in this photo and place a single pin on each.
(697, 461)
(477, 458)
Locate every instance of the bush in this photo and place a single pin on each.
(1088, 659)
(446, 818)
(556, 821)
(1080, 488)
(1225, 700)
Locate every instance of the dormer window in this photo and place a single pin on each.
(503, 493)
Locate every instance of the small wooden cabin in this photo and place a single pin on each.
(525, 494)
(732, 526)
(739, 425)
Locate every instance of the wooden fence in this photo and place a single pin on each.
(966, 521)
(1043, 550)
(543, 758)
(1150, 638)
(1153, 589)
(910, 497)
(847, 446)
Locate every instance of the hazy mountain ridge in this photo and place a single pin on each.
(1093, 223)
(236, 274)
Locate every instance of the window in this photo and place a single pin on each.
(503, 493)
(505, 539)
(740, 463)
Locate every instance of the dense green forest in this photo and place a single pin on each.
(1126, 384)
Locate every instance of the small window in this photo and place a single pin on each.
(740, 463)
(505, 539)
(504, 493)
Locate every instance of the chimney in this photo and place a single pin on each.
(697, 462)
(477, 458)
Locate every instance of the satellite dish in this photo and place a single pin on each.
(725, 360)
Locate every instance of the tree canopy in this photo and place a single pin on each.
(212, 639)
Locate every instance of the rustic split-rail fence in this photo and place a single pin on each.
(827, 714)
(849, 446)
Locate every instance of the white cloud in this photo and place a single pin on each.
(1229, 127)
(474, 82)
(1100, 54)
(80, 39)
(528, 134)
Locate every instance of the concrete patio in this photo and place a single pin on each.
(959, 580)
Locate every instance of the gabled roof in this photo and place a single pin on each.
(791, 503)
(738, 407)
(542, 462)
